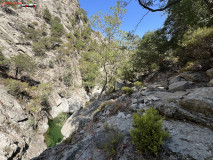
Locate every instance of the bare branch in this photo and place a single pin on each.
(140, 21)
(159, 9)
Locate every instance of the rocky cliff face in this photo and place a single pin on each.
(18, 139)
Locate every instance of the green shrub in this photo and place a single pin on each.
(17, 88)
(127, 90)
(114, 138)
(138, 85)
(86, 33)
(57, 28)
(39, 48)
(24, 63)
(47, 16)
(31, 33)
(196, 45)
(67, 79)
(80, 45)
(147, 133)
(73, 21)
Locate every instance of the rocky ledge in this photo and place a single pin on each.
(188, 112)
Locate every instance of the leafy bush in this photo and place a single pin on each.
(17, 88)
(115, 137)
(57, 28)
(31, 33)
(86, 33)
(147, 133)
(127, 90)
(39, 48)
(47, 16)
(73, 21)
(138, 85)
(24, 63)
(196, 45)
(67, 79)
(80, 45)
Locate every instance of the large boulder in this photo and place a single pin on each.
(200, 100)
(195, 77)
(187, 141)
(174, 79)
(180, 86)
(79, 119)
(70, 104)
(210, 73)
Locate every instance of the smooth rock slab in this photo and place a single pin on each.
(195, 77)
(200, 100)
(180, 86)
(188, 141)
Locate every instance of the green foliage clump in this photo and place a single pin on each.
(39, 102)
(24, 63)
(150, 53)
(196, 45)
(147, 133)
(31, 33)
(86, 33)
(44, 44)
(17, 88)
(127, 90)
(89, 70)
(138, 84)
(53, 135)
(67, 79)
(80, 45)
(47, 15)
(115, 137)
(39, 48)
(73, 22)
(57, 28)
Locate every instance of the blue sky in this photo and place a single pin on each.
(152, 21)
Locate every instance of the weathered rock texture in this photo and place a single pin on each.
(188, 114)
(18, 139)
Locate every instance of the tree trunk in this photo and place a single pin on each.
(17, 70)
(105, 83)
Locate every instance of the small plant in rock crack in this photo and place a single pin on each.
(127, 90)
(114, 138)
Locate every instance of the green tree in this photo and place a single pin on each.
(150, 52)
(24, 63)
(186, 15)
(107, 55)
